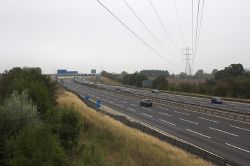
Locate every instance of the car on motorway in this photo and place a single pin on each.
(117, 89)
(154, 91)
(146, 103)
(127, 91)
(216, 100)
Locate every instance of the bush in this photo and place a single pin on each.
(160, 83)
(65, 122)
(35, 145)
(70, 126)
(40, 87)
(15, 114)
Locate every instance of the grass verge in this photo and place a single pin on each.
(105, 141)
(105, 80)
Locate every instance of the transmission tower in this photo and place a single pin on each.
(188, 52)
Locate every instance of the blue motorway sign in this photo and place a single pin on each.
(98, 103)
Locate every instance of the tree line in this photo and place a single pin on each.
(33, 129)
(232, 81)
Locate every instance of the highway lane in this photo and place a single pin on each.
(235, 106)
(228, 138)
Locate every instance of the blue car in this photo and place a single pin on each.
(216, 100)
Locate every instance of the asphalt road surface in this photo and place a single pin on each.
(234, 106)
(227, 138)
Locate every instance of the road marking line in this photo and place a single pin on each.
(147, 115)
(237, 148)
(198, 133)
(111, 102)
(119, 105)
(164, 114)
(104, 99)
(223, 131)
(162, 108)
(133, 105)
(131, 109)
(239, 128)
(147, 109)
(124, 102)
(167, 122)
(189, 121)
(208, 119)
(181, 113)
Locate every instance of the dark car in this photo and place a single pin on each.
(146, 103)
(216, 100)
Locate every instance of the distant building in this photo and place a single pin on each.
(66, 72)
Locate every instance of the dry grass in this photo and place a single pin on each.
(116, 144)
(109, 81)
(104, 80)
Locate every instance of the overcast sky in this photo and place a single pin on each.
(81, 35)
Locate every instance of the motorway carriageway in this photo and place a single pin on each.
(235, 106)
(224, 137)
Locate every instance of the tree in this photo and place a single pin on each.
(182, 75)
(199, 74)
(70, 125)
(233, 70)
(214, 71)
(17, 112)
(160, 83)
(41, 88)
(35, 145)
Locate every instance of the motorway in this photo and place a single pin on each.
(224, 137)
(234, 106)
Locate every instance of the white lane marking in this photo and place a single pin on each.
(162, 108)
(181, 113)
(111, 102)
(147, 109)
(124, 102)
(146, 115)
(167, 122)
(237, 147)
(108, 97)
(208, 120)
(223, 131)
(131, 109)
(119, 105)
(104, 99)
(188, 121)
(134, 105)
(164, 114)
(239, 128)
(198, 133)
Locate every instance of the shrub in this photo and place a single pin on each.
(70, 126)
(35, 145)
(15, 114)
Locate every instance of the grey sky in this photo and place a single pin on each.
(80, 35)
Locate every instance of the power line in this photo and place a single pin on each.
(200, 26)
(130, 30)
(147, 28)
(192, 24)
(162, 25)
(197, 26)
(179, 21)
